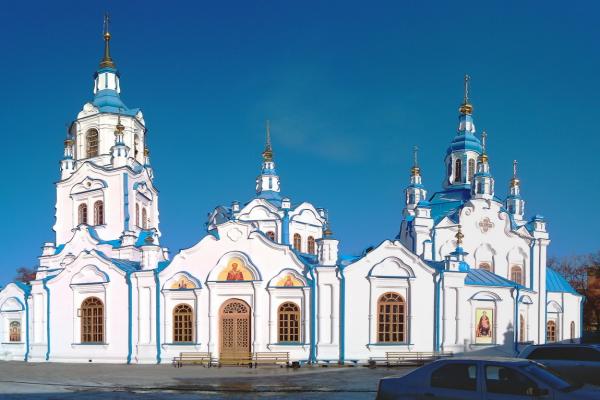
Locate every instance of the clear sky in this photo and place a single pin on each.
(349, 88)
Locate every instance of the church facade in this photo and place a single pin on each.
(466, 272)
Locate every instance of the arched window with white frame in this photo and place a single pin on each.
(183, 324)
(298, 242)
(82, 214)
(92, 320)
(99, 212)
(92, 143)
(289, 323)
(144, 218)
(391, 318)
(516, 274)
(311, 245)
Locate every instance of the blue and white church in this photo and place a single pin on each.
(466, 272)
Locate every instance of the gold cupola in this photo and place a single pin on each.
(107, 61)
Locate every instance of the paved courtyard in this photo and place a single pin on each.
(20, 380)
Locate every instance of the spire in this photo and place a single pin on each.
(415, 170)
(466, 107)
(267, 183)
(483, 157)
(415, 192)
(515, 180)
(268, 153)
(514, 202)
(483, 182)
(106, 62)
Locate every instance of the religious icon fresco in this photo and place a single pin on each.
(484, 329)
(289, 281)
(236, 270)
(183, 283)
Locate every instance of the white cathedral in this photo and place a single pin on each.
(466, 272)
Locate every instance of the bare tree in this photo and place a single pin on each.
(25, 274)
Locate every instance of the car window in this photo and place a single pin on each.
(571, 353)
(459, 376)
(585, 354)
(551, 353)
(504, 380)
(548, 376)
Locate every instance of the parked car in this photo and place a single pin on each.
(493, 378)
(577, 362)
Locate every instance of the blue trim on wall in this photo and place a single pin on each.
(516, 334)
(157, 289)
(26, 328)
(433, 243)
(531, 259)
(47, 319)
(129, 317)
(342, 315)
(313, 311)
(285, 228)
(126, 202)
(436, 311)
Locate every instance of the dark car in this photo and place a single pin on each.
(493, 378)
(577, 362)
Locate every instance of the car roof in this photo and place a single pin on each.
(484, 358)
(566, 345)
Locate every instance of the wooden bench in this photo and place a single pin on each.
(413, 357)
(193, 358)
(271, 358)
(236, 359)
(399, 358)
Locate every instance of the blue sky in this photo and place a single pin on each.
(349, 88)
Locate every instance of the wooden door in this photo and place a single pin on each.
(235, 327)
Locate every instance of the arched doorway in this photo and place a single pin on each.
(235, 326)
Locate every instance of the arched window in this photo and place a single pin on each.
(297, 242)
(82, 213)
(92, 142)
(486, 265)
(271, 235)
(99, 213)
(572, 328)
(311, 245)
(516, 274)
(144, 218)
(92, 320)
(458, 170)
(522, 327)
(391, 320)
(14, 331)
(289, 323)
(471, 168)
(551, 331)
(137, 215)
(183, 324)
(136, 145)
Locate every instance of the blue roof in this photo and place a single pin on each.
(482, 277)
(141, 240)
(24, 287)
(465, 141)
(126, 265)
(555, 282)
(109, 101)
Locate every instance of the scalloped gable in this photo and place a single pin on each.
(143, 189)
(308, 214)
(391, 250)
(88, 184)
(12, 304)
(85, 238)
(89, 274)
